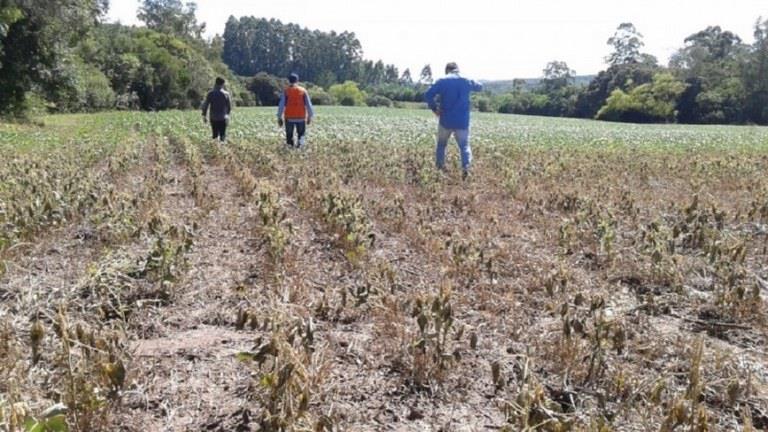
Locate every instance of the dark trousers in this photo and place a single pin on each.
(301, 129)
(219, 128)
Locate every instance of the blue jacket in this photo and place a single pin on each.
(454, 100)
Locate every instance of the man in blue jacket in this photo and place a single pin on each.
(453, 111)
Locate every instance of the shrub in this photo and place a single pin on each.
(94, 89)
(348, 94)
(319, 96)
(245, 98)
(378, 101)
(650, 102)
(266, 88)
(483, 104)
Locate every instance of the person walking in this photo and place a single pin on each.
(453, 111)
(295, 111)
(220, 104)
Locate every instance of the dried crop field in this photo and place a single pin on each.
(588, 277)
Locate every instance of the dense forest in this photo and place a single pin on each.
(63, 57)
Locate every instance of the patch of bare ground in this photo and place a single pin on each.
(372, 383)
(363, 311)
(185, 375)
(313, 301)
(573, 292)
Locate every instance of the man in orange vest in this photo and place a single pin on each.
(296, 109)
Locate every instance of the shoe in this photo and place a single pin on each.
(465, 175)
(302, 141)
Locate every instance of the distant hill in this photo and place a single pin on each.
(504, 86)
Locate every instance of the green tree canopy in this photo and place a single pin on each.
(267, 88)
(756, 76)
(620, 77)
(426, 75)
(710, 63)
(626, 43)
(36, 37)
(406, 78)
(162, 70)
(253, 45)
(557, 75)
(652, 102)
(171, 17)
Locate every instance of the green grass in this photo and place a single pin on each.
(417, 127)
(396, 127)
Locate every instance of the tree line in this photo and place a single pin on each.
(62, 57)
(715, 78)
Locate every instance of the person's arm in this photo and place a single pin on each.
(310, 109)
(429, 96)
(205, 105)
(475, 86)
(229, 104)
(280, 109)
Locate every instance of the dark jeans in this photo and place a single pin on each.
(301, 129)
(219, 128)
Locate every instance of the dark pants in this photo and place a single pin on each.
(301, 129)
(219, 128)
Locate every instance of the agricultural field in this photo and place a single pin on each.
(587, 277)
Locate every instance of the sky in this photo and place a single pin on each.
(489, 39)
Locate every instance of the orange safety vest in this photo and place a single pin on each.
(294, 103)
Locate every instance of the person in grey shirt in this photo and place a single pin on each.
(220, 103)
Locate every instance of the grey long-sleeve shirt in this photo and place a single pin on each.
(220, 103)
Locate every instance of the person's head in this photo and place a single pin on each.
(451, 67)
(293, 78)
(220, 81)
